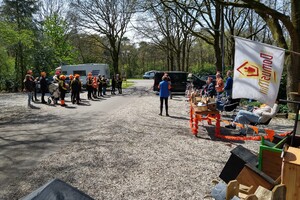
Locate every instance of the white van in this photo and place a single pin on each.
(84, 69)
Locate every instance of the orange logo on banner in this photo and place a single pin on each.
(248, 69)
(252, 70)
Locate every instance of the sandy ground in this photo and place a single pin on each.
(117, 148)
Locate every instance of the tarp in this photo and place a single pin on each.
(57, 189)
(257, 71)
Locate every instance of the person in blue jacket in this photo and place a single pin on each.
(228, 84)
(164, 88)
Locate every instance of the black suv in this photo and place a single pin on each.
(178, 81)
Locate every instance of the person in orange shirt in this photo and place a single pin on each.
(219, 85)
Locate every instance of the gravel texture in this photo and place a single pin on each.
(137, 154)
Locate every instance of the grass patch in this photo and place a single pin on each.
(127, 84)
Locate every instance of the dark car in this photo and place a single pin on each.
(149, 75)
(179, 81)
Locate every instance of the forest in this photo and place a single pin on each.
(134, 36)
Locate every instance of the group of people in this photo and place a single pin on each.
(210, 89)
(218, 88)
(258, 115)
(30, 86)
(96, 86)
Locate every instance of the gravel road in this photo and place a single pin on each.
(112, 148)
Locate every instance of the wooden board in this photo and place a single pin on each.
(279, 192)
(263, 194)
(271, 163)
(232, 189)
(292, 156)
(291, 178)
(249, 177)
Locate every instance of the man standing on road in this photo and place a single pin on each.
(76, 87)
(164, 89)
(44, 86)
(29, 84)
(119, 83)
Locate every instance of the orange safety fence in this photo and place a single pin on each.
(269, 132)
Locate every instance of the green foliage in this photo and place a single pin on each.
(56, 39)
(206, 69)
(246, 102)
(8, 34)
(283, 108)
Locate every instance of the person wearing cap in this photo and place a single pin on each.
(29, 86)
(63, 89)
(44, 86)
(164, 92)
(76, 87)
(89, 85)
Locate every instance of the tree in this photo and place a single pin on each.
(89, 48)
(56, 39)
(207, 16)
(20, 13)
(107, 18)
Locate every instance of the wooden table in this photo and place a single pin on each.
(209, 116)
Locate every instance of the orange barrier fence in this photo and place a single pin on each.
(214, 116)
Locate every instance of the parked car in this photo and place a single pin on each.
(149, 75)
(179, 81)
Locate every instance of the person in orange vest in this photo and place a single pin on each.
(89, 85)
(63, 89)
(219, 85)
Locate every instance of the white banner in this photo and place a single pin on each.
(257, 71)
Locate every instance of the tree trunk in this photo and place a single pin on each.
(115, 61)
(293, 72)
(218, 53)
(217, 48)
